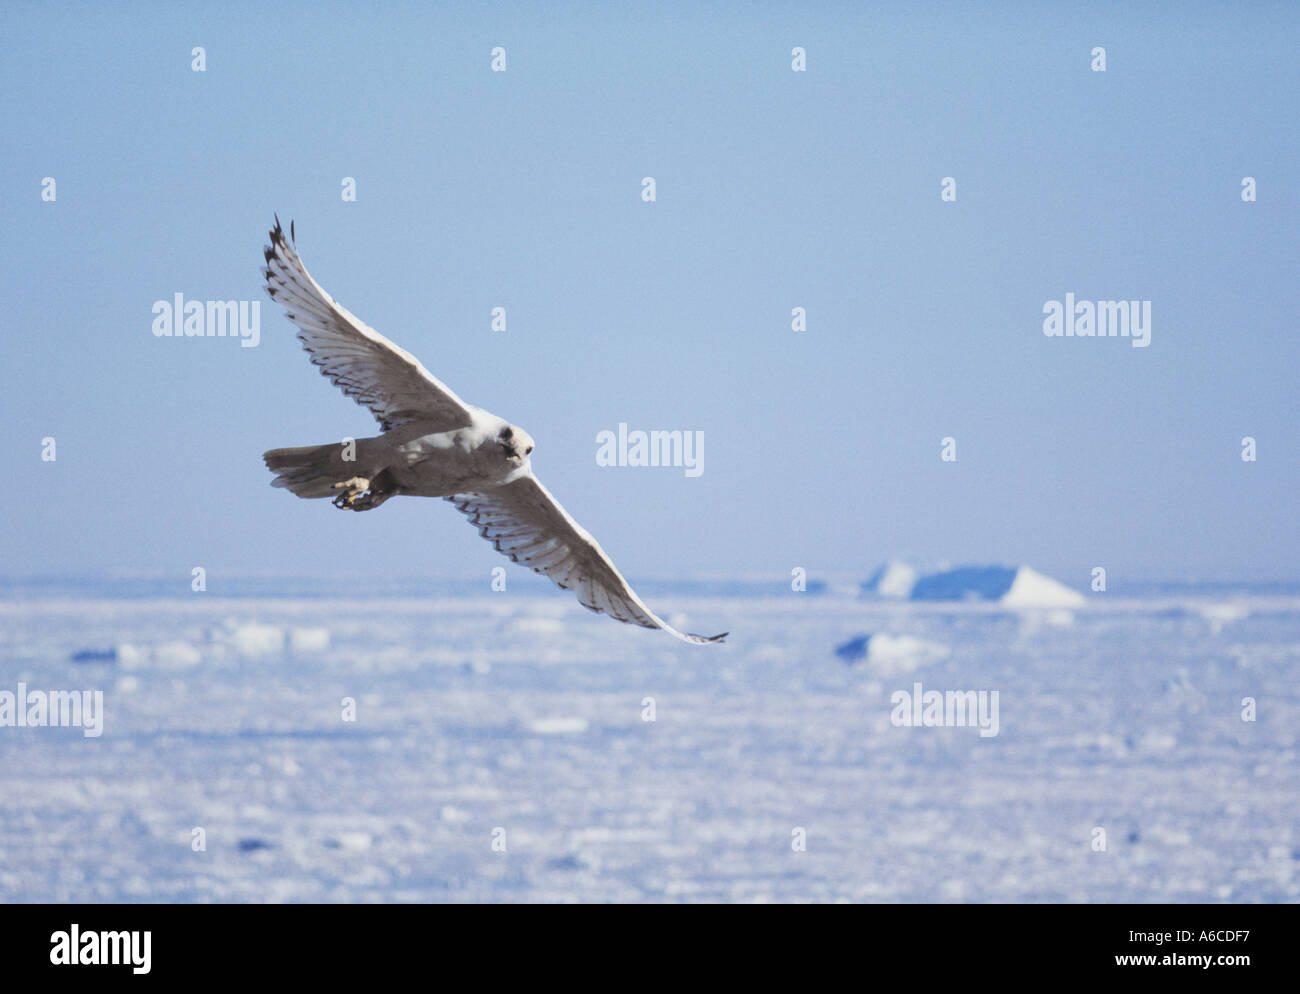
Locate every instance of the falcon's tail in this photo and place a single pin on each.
(310, 470)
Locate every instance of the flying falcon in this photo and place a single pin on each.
(433, 444)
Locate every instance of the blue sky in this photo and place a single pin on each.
(775, 189)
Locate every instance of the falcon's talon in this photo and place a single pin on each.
(354, 492)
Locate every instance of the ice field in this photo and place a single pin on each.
(500, 750)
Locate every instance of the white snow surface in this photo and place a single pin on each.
(523, 714)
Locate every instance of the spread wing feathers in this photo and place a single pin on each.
(353, 356)
(524, 522)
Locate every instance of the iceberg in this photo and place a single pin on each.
(890, 655)
(895, 579)
(1011, 586)
(854, 649)
(95, 656)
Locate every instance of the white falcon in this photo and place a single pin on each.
(434, 444)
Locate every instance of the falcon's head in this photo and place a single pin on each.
(515, 443)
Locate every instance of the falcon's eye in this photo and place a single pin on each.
(528, 451)
(507, 433)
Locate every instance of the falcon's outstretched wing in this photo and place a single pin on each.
(363, 363)
(524, 522)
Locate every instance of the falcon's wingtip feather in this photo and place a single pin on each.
(710, 638)
(277, 234)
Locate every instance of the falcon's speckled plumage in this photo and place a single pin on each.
(434, 445)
